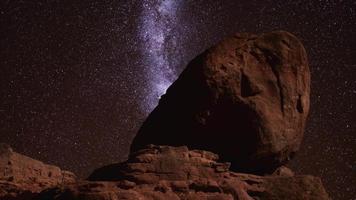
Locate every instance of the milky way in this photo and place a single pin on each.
(158, 23)
(78, 78)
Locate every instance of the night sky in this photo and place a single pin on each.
(78, 78)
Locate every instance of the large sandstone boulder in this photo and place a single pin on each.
(246, 99)
(174, 173)
(21, 177)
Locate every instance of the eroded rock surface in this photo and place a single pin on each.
(169, 173)
(21, 177)
(246, 99)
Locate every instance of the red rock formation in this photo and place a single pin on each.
(169, 173)
(246, 99)
(22, 177)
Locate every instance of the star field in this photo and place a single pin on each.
(77, 79)
(159, 30)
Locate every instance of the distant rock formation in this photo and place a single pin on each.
(173, 173)
(246, 99)
(22, 177)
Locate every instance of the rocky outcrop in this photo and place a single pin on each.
(22, 177)
(164, 172)
(246, 99)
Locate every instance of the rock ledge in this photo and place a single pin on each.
(174, 173)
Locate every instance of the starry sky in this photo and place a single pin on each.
(78, 78)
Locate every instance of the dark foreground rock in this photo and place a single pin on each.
(169, 173)
(22, 177)
(246, 99)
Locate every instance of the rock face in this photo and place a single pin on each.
(164, 172)
(22, 177)
(246, 99)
